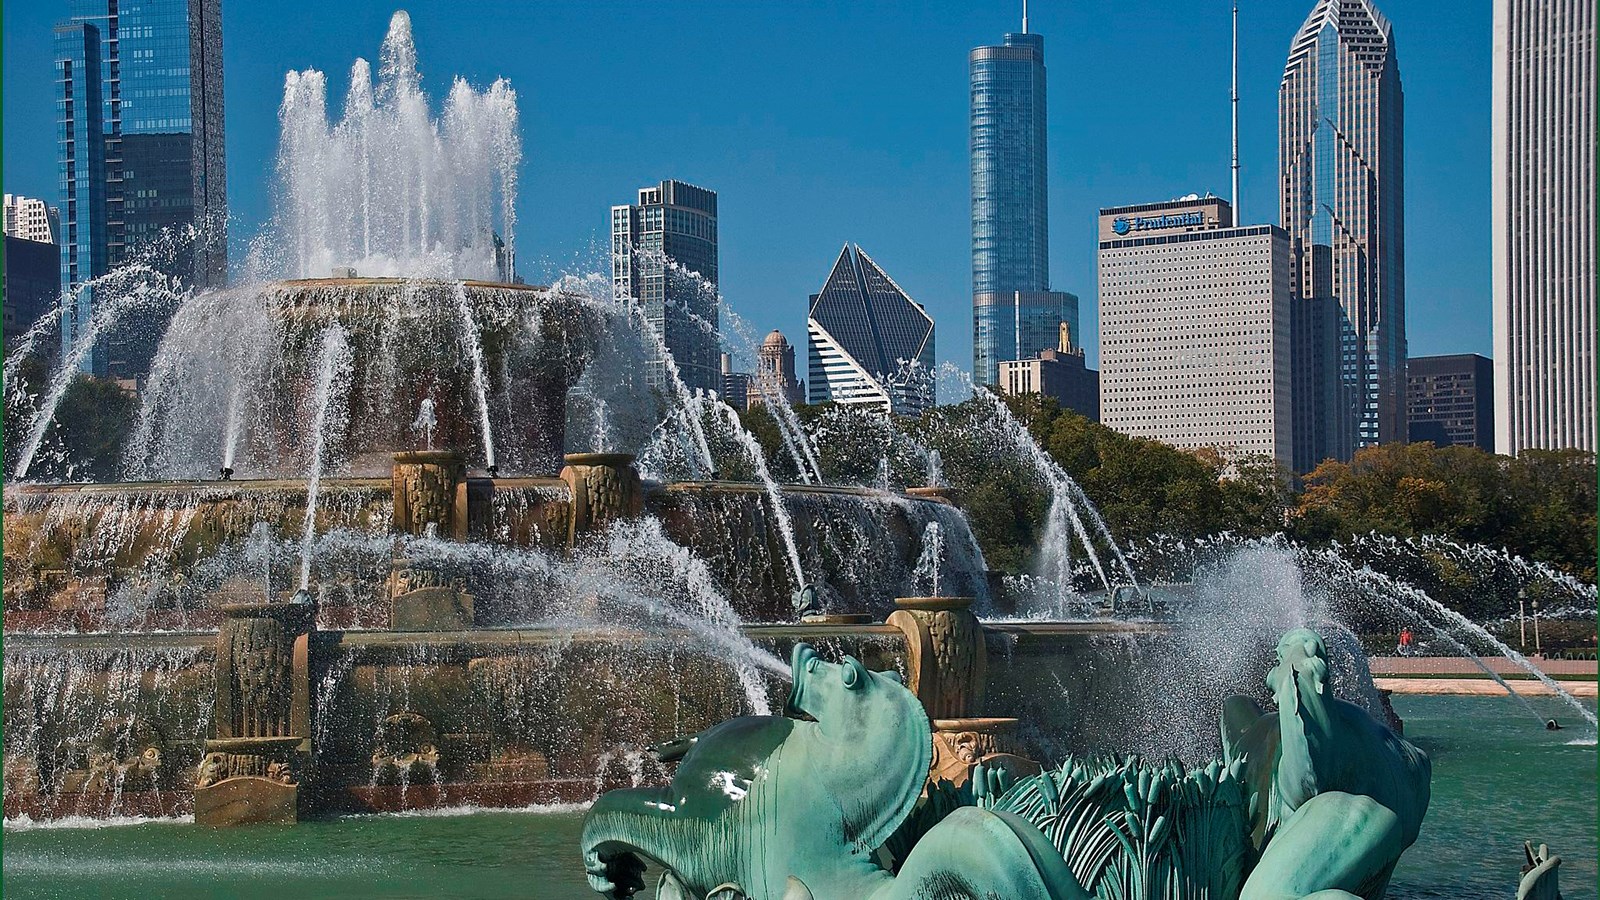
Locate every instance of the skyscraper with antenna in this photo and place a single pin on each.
(1014, 313)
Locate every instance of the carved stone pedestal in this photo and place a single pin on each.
(946, 656)
(425, 485)
(253, 767)
(605, 488)
(421, 600)
(960, 744)
(946, 663)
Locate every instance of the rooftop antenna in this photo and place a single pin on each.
(1236, 216)
(1024, 16)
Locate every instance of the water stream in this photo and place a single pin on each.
(780, 512)
(149, 289)
(480, 384)
(333, 379)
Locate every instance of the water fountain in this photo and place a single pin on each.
(354, 598)
(358, 618)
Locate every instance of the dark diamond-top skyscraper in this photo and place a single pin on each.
(868, 342)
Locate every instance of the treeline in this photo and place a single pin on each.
(1540, 505)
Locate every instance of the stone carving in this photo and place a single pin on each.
(219, 766)
(424, 484)
(961, 744)
(259, 657)
(1317, 799)
(405, 749)
(605, 487)
(946, 656)
(262, 714)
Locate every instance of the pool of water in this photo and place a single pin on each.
(1498, 779)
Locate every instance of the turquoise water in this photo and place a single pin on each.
(1498, 779)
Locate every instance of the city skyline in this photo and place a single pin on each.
(886, 158)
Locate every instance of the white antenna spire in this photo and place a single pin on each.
(1236, 217)
(1024, 16)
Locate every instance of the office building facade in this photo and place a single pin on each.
(1014, 312)
(1195, 340)
(869, 343)
(1543, 213)
(664, 258)
(1450, 400)
(31, 219)
(32, 277)
(140, 153)
(1060, 372)
(735, 390)
(1342, 201)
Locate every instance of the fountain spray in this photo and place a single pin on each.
(333, 378)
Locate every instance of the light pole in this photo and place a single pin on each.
(1522, 612)
(1538, 648)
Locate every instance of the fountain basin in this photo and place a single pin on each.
(515, 715)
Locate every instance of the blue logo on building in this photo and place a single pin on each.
(1194, 219)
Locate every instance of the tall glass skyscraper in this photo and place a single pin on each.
(1340, 153)
(664, 257)
(1010, 218)
(80, 164)
(153, 110)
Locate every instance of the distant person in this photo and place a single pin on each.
(1408, 641)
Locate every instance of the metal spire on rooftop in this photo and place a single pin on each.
(1237, 219)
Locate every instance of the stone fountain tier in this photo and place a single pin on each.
(144, 556)
(125, 724)
(410, 340)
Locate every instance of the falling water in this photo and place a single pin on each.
(389, 189)
(780, 513)
(333, 377)
(789, 430)
(230, 435)
(935, 469)
(927, 570)
(151, 288)
(1407, 597)
(425, 422)
(480, 384)
(772, 395)
(691, 405)
(1064, 491)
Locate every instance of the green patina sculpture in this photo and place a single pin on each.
(768, 807)
(1539, 876)
(1338, 795)
(1316, 800)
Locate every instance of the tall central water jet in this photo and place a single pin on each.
(390, 190)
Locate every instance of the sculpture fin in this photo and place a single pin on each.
(795, 889)
(1239, 713)
(675, 749)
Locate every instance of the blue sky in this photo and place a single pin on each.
(824, 122)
